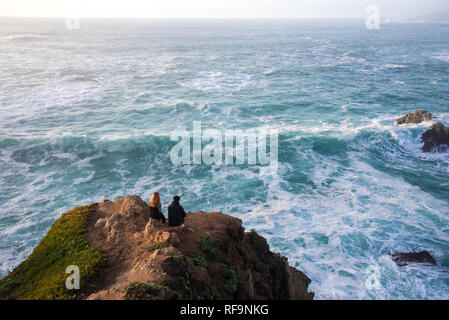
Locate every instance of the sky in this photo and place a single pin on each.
(203, 9)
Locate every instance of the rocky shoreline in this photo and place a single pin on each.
(436, 139)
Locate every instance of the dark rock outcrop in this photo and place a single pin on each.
(436, 139)
(405, 258)
(415, 117)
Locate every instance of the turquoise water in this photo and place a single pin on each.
(350, 189)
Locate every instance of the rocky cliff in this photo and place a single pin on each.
(120, 256)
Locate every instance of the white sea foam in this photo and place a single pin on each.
(435, 82)
(443, 56)
(350, 188)
(83, 180)
(219, 82)
(116, 136)
(269, 71)
(357, 205)
(341, 215)
(24, 36)
(394, 66)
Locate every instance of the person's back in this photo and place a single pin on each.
(176, 213)
(156, 208)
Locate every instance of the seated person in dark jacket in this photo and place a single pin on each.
(176, 213)
(156, 208)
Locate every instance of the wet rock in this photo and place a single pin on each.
(415, 117)
(405, 258)
(436, 139)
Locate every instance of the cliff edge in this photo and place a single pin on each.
(120, 256)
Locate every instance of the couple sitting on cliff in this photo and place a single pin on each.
(176, 213)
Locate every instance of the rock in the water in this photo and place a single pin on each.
(404, 258)
(415, 117)
(436, 139)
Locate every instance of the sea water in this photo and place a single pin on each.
(87, 114)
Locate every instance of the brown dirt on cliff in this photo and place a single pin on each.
(117, 228)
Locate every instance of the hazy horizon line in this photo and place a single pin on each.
(149, 18)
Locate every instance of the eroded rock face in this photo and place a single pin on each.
(212, 258)
(405, 258)
(436, 139)
(126, 215)
(415, 117)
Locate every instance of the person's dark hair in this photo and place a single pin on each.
(176, 199)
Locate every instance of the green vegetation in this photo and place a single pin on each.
(177, 276)
(246, 259)
(200, 260)
(182, 260)
(184, 277)
(139, 285)
(209, 247)
(42, 276)
(275, 266)
(156, 246)
(142, 291)
(270, 263)
(228, 272)
(258, 242)
(245, 256)
(212, 293)
(230, 285)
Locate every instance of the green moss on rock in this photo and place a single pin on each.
(142, 291)
(231, 282)
(157, 246)
(212, 293)
(210, 248)
(42, 275)
(258, 242)
(199, 260)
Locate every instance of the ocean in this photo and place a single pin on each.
(87, 114)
